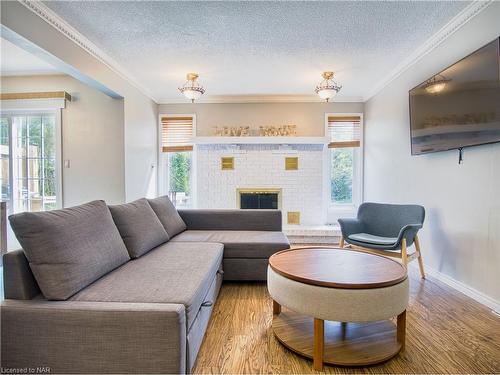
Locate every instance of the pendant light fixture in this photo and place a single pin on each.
(328, 88)
(191, 88)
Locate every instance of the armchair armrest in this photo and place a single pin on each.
(93, 337)
(350, 226)
(408, 232)
(211, 219)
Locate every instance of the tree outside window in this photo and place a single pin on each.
(341, 175)
(179, 178)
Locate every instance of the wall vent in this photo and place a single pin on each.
(293, 217)
(226, 163)
(291, 163)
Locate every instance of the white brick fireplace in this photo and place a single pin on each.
(261, 167)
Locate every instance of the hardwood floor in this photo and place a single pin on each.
(447, 332)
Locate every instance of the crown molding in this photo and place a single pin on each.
(242, 99)
(54, 20)
(434, 41)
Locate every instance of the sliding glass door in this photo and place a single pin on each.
(29, 156)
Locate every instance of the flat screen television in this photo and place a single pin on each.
(460, 106)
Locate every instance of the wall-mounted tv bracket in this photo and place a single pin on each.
(460, 155)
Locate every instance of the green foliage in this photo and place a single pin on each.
(4, 131)
(342, 175)
(180, 166)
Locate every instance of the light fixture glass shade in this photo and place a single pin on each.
(191, 88)
(192, 94)
(328, 88)
(327, 94)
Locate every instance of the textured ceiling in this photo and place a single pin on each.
(16, 61)
(261, 48)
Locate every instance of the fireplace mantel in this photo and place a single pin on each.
(260, 140)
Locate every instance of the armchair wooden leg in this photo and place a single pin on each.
(276, 308)
(341, 244)
(420, 261)
(404, 254)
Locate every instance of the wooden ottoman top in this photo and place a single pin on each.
(337, 268)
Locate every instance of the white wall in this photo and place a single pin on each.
(141, 147)
(461, 235)
(309, 117)
(141, 113)
(92, 138)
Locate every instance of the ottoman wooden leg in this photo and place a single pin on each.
(343, 326)
(319, 344)
(276, 308)
(401, 329)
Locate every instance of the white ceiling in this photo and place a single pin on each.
(257, 48)
(16, 61)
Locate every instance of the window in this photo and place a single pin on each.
(29, 175)
(176, 159)
(345, 155)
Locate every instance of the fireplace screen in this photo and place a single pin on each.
(268, 200)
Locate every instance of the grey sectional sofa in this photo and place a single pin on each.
(125, 289)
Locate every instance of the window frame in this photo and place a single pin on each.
(19, 111)
(162, 159)
(334, 211)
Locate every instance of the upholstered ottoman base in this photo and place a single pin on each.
(336, 306)
(345, 344)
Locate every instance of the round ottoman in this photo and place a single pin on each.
(338, 303)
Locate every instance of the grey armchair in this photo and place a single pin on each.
(386, 229)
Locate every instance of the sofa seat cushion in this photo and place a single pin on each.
(69, 249)
(139, 226)
(372, 239)
(239, 244)
(171, 273)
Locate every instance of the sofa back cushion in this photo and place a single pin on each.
(139, 227)
(168, 215)
(69, 249)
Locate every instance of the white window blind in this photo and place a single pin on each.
(344, 131)
(176, 134)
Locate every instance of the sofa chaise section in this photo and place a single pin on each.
(188, 274)
(166, 295)
(180, 273)
(250, 237)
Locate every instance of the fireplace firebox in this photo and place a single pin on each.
(266, 199)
